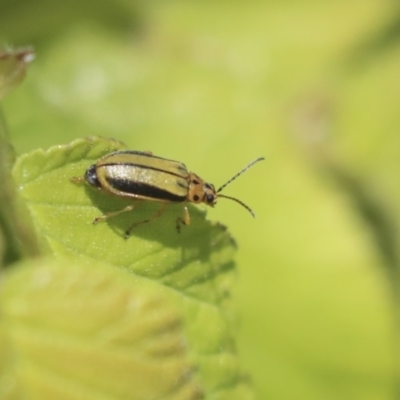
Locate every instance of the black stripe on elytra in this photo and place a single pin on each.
(144, 167)
(145, 190)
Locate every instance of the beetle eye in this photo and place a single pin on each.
(210, 198)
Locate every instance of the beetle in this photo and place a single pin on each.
(142, 176)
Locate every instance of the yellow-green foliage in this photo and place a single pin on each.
(313, 86)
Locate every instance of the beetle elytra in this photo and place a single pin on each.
(142, 176)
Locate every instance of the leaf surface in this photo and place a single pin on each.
(194, 270)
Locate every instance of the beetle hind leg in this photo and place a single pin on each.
(103, 217)
(77, 179)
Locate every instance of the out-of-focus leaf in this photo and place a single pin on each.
(90, 331)
(13, 66)
(16, 239)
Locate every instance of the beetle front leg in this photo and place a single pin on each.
(185, 220)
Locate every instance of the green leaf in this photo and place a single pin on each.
(194, 269)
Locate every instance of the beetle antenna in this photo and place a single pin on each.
(240, 202)
(236, 176)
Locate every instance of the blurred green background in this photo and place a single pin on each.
(312, 86)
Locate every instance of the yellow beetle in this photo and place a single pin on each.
(143, 176)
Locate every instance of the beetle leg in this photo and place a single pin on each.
(155, 216)
(185, 220)
(77, 179)
(114, 213)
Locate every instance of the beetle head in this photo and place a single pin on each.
(203, 192)
(200, 191)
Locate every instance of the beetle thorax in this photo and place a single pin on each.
(201, 191)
